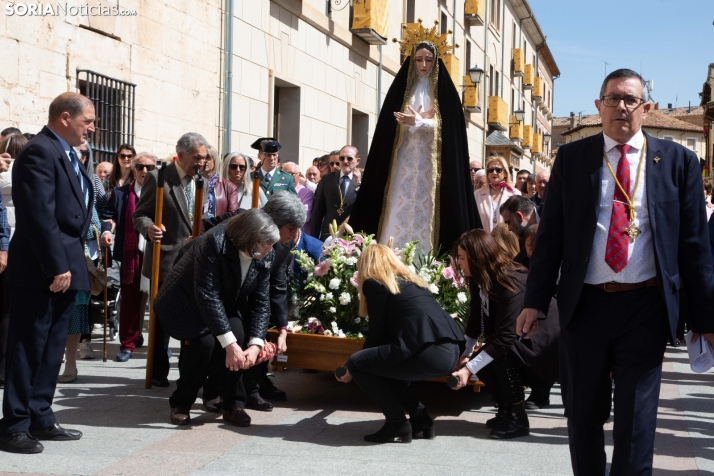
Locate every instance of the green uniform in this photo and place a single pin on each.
(279, 180)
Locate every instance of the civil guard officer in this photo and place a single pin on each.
(272, 179)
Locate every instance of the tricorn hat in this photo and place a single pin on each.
(267, 144)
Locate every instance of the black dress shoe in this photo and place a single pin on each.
(237, 417)
(257, 403)
(514, 424)
(535, 404)
(20, 443)
(270, 391)
(390, 432)
(139, 341)
(57, 433)
(160, 382)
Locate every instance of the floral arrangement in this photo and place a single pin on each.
(325, 294)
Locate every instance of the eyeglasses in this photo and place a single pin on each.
(84, 153)
(347, 158)
(293, 173)
(126, 156)
(473, 169)
(491, 170)
(335, 164)
(237, 166)
(141, 167)
(631, 102)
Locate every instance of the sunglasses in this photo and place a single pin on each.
(498, 170)
(84, 153)
(126, 156)
(334, 164)
(236, 167)
(141, 167)
(348, 159)
(473, 169)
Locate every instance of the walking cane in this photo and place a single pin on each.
(256, 190)
(155, 265)
(106, 297)
(198, 204)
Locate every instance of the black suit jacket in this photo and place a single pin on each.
(204, 289)
(327, 202)
(675, 203)
(117, 212)
(402, 324)
(51, 217)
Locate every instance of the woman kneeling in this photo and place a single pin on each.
(410, 338)
(497, 287)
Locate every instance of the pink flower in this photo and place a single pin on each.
(449, 273)
(322, 268)
(359, 239)
(353, 279)
(347, 246)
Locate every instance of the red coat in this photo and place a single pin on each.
(226, 197)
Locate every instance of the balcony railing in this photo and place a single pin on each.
(474, 12)
(370, 20)
(528, 76)
(536, 144)
(471, 95)
(537, 91)
(516, 129)
(497, 116)
(453, 66)
(527, 141)
(517, 62)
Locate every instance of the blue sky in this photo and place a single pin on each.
(666, 41)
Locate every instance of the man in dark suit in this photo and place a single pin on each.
(179, 193)
(625, 224)
(46, 267)
(335, 195)
(272, 179)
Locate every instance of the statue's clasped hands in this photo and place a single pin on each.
(410, 119)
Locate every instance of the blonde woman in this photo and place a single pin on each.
(500, 188)
(506, 240)
(410, 338)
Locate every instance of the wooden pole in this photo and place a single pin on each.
(256, 190)
(198, 207)
(155, 266)
(106, 298)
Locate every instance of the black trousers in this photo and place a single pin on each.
(388, 385)
(37, 337)
(202, 356)
(161, 367)
(624, 333)
(504, 376)
(4, 323)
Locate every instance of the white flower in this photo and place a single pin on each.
(333, 310)
(333, 324)
(351, 261)
(412, 268)
(320, 288)
(345, 299)
(360, 336)
(434, 288)
(327, 332)
(461, 297)
(310, 276)
(328, 296)
(357, 320)
(322, 297)
(334, 283)
(341, 334)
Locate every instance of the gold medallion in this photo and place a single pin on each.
(632, 231)
(340, 211)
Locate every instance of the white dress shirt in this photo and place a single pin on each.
(640, 252)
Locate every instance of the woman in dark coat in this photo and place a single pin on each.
(497, 286)
(410, 338)
(216, 301)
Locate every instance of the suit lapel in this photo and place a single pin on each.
(67, 166)
(652, 178)
(178, 193)
(351, 193)
(594, 168)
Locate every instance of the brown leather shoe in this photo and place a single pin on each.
(237, 417)
(180, 416)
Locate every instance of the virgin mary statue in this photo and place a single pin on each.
(416, 184)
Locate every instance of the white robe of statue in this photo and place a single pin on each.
(411, 207)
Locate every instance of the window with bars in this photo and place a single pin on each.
(114, 109)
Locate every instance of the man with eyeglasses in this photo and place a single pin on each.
(336, 194)
(129, 248)
(179, 196)
(334, 162)
(625, 224)
(272, 179)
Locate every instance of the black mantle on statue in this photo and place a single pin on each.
(457, 207)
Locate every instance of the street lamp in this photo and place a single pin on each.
(546, 138)
(475, 74)
(520, 115)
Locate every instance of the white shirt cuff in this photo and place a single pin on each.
(470, 346)
(479, 362)
(255, 341)
(226, 339)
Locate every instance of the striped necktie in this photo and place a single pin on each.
(75, 165)
(617, 239)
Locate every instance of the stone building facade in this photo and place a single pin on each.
(297, 71)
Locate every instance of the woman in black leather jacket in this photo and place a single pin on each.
(216, 301)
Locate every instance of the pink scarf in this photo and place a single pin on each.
(502, 184)
(130, 266)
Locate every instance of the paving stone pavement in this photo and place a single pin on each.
(319, 430)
